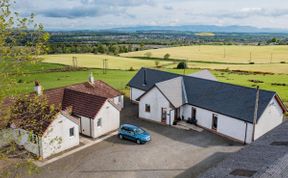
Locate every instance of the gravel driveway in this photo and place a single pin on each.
(172, 152)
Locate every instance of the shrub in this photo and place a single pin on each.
(182, 65)
(167, 56)
(148, 54)
(282, 62)
(131, 69)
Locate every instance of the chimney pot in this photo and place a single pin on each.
(91, 78)
(38, 88)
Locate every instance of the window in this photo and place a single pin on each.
(193, 113)
(214, 121)
(147, 108)
(33, 138)
(99, 122)
(119, 99)
(71, 132)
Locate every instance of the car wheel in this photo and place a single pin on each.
(121, 137)
(138, 141)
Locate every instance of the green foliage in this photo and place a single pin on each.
(32, 113)
(157, 63)
(21, 42)
(166, 56)
(182, 65)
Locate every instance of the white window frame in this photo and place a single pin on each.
(148, 105)
(99, 122)
(73, 132)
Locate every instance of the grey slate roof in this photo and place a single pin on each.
(267, 160)
(227, 99)
(204, 74)
(230, 100)
(173, 90)
(152, 77)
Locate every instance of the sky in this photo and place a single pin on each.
(104, 14)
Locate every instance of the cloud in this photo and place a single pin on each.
(94, 8)
(78, 12)
(115, 13)
(167, 7)
(251, 12)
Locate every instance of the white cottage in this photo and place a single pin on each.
(225, 109)
(56, 136)
(94, 110)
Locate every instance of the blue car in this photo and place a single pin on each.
(134, 133)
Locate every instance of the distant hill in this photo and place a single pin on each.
(201, 28)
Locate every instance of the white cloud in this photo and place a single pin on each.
(94, 14)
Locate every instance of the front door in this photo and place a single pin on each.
(214, 122)
(163, 115)
(85, 126)
(193, 116)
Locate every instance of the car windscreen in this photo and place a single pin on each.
(139, 131)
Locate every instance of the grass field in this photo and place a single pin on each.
(270, 68)
(119, 78)
(96, 61)
(227, 54)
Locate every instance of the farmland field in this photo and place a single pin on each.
(96, 61)
(119, 78)
(225, 54)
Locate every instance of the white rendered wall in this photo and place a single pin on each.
(156, 101)
(228, 126)
(110, 118)
(119, 100)
(85, 126)
(135, 94)
(271, 118)
(21, 137)
(57, 137)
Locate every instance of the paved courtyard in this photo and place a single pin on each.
(172, 152)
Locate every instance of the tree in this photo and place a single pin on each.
(167, 56)
(32, 110)
(102, 49)
(274, 40)
(157, 64)
(148, 54)
(21, 43)
(182, 65)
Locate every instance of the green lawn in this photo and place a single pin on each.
(119, 78)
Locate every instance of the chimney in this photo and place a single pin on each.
(91, 78)
(255, 112)
(38, 88)
(145, 78)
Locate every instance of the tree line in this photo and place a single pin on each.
(114, 49)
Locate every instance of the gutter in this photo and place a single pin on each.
(245, 133)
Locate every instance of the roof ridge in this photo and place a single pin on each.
(185, 76)
(184, 91)
(84, 93)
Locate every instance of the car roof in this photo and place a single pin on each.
(130, 126)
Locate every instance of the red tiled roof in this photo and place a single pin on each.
(99, 88)
(85, 99)
(54, 96)
(83, 104)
